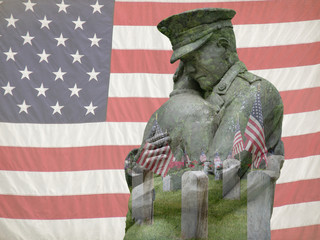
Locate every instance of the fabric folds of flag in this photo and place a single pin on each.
(156, 160)
(60, 177)
(154, 157)
(254, 133)
(237, 142)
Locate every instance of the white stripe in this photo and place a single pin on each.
(156, 161)
(147, 155)
(301, 123)
(142, 158)
(248, 35)
(295, 215)
(62, 183)
(71, 135)
(260, 135)
(297, 169)
(160, 85)
(275, 34)
(79, 229)
(257, 140)
(188, 1)
(157, 156)
(115, 133)
(142, 37)
(248, 145)
(293, 78)
(158, 169)
(140, 85)
(164, 158)
(171, 158)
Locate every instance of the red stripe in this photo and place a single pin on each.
(171, 159)
(132, 109)
(144, 153)
(63, 159)
(72, 159)
(151, 158)
(302, 145)
(157, 61)
(156, 159)
(163, 160)
(280, 56)
(155, 162)
(249, 145)
(259, 136)
(255, 142)
(147, 156)
(142, 61)
(140, 109)
(64, 207)
(247, 12)
(303, 100)
(298, 233)
(297, 192)
(161, 168)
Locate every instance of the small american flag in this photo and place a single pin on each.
(237, 142)
(203, 157)
(217, 161)
(254, 134)
(155, 158)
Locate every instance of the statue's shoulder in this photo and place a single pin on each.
(255, 80)
(250, 77)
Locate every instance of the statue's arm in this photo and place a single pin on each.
(272, 103)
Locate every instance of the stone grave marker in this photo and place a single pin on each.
(231, 180)
(259, 204)
(142, 197)
(194, 205)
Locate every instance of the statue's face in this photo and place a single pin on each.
(207, 65)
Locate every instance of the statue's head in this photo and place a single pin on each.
(203, 39)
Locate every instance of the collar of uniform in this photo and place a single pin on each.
(224, 84)
(180, 91)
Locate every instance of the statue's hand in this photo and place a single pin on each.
(159, 140)
(155, 149)
(275, 163)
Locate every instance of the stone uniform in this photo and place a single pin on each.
(197, 124)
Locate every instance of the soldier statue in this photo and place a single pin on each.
(213, 91)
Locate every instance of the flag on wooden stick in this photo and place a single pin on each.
(254, 133)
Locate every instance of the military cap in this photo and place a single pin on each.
(189, 30)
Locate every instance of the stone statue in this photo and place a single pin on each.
(212, 91)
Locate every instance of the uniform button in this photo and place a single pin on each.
(222, 86)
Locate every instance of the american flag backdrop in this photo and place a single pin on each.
(80, 79)
(61, 168)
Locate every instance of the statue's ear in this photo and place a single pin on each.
(223, 42)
